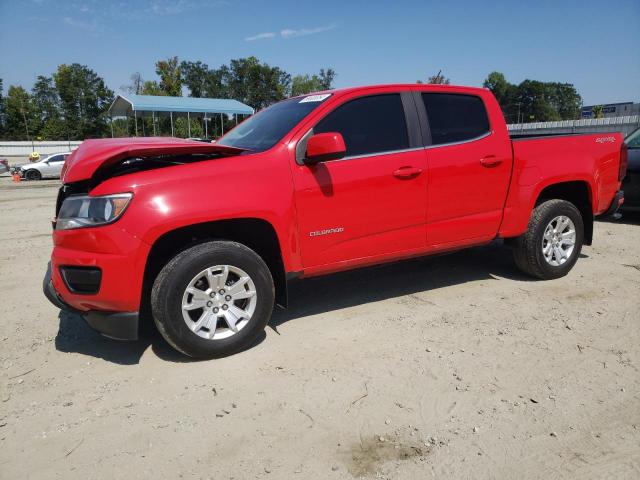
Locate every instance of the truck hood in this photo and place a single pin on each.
(94, 155)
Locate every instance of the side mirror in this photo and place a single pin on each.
(324, 146)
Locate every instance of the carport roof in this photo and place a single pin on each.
(122, 106)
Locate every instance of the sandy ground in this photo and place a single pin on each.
(449, 367)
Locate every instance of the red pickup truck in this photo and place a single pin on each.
(206, 237)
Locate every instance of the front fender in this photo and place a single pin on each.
(251, 186)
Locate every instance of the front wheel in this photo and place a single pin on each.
(32, 175)
(213, 299)
(552, 243)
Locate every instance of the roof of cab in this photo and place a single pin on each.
(400, 87)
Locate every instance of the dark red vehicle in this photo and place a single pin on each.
(207, 236)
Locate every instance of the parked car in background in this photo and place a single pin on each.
(631, 183)
(4, 165)
(206, 237)
(48, 167)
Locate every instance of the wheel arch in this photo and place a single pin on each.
(577, 192)
(255, 233)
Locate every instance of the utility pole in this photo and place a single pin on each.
(26, 126)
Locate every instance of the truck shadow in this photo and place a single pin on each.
(315, 296)
(347, 289)
(75, 336)
(628, 218)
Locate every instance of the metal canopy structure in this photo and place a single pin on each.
(173, 107)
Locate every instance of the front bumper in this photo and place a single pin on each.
(118, 325)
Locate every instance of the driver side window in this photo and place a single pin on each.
(369, 125)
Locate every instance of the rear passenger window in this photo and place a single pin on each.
(369, 125)
(455, 118)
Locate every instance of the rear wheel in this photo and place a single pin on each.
(552, 243)
(32, 175)
(213, 299)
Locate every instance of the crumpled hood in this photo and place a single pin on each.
(93, 155)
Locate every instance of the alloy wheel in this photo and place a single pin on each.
(559, 240)
(219, 301)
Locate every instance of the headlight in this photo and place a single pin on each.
(84, 211)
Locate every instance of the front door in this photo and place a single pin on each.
(372, 202)
(55, 165)
(47, 168)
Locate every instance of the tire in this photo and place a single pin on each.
(32, 175)
(201, 268)
(528, 248)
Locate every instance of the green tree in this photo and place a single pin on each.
(204, 82)
(565, 99)
(181, 128)
(598, 111)
(84, 101)
(254, 83)
(534, 101)
(170, 75)
(20, 115)
(302, 84)
(47, 105)
(195, 76)
(326, 78)
(439, 79)
(501, 89)
(151, 87)
(506, 93)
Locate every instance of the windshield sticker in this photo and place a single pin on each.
(315, 98)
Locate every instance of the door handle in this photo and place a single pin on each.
(490, 161)
(407, 172)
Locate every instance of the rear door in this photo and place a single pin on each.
(469, 169)
(371, 202)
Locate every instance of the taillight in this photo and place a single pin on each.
(624, 159)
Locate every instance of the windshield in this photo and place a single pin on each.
(261, 131)
(633, 140)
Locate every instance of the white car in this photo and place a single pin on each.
(48, 167)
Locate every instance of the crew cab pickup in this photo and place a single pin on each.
(204, 238)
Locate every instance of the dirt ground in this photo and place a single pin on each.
(448, 367)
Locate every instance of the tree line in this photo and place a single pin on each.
(246, 80)
(530, 100)
(534, 101)
(72, 103)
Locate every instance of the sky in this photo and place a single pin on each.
(593, 44)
